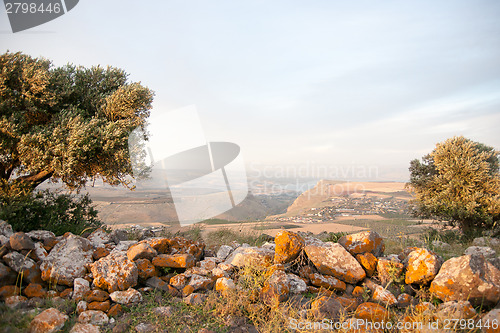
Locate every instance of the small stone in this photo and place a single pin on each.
(195, 299)
(115, 310)
(97, 295)
(166, 311)
(297, 284)
(19, 241)
(224, 251)
(5, 229)
(126, 297)
(15, 301)
(35, 290)
(146, 269)
(179, 281)
(8, 290)
(276, 288)
(384, 296)
(389, 270)
(101, 306)
(93, 317)
(99, 237)
(224, 285)
(200, 282)
(81, 288)
(327, 282)
(404, 300)
(326, 307)
(145, 327)
(50, 320)
(40, 235)
(84, 328)
(81, 306)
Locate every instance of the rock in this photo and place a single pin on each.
(384, 296)
(124, 245)
(487, 252)
(35, 290)
(19, 241)
(5, 229)
(126, 297)
(101, 306)
(326, 307)
(115, 310)
(166, 311)
(423, 266)
(404, 300)
(99, 237)
(200, 282)
(114, 272)
(24, 266)
(81, 288)
(3, 240)
(456, 310)
(486, 241)
(50, 320)
(437, 244)
(15, 301)
(118, 235)
(145, 327)
(495, 262)
(97, 295)
(40, 251)
(141, 251)
(7, 275)
(157, 283)
(179, 281)
(67, 261)
(288, 246)
(195, 299)
(40, 235)
(333, 259)
(470, 278)
(389, 270)
(327, 282)
(121, 328)
(8, 290)
(488, 321)
(180, 245)
(81, 306)
(368, 261)
(276, 288)
(146, 269)
(372, 312)
(99, 253)
(84, 328)
(363, 242)
(253, 256)
(224, 285)
(93, 317)
(209, 263)
(297, 285)
(224, 251)
(174, 261)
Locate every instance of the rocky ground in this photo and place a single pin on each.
(109, 282)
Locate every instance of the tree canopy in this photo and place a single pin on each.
(458, 182)
(67, 123)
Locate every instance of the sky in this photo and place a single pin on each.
(348, 85)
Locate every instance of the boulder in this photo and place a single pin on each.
(423, 265)
(486, 241)
(7, 275)
(93, 317)
(16, 301)
(50, 320)
(40, 235)
(141, 251)
(363, 242)
(456, 310)
(253, 256)
(288, 246)
(333, 259)
(146, 269)
(224, 285)
(67, 261)
(491, 321)
(23, 265)
(224, 251)
(126, 297)
(485, 251)
(368, 261)
(40, 251)
(297, 284)
(81, 288)
(35, 290)
(180, 245)
(19, 241)
(179, 281)
(200, 282)
(195, 299)
(327, 282)
(97, 295)
(114, 272)
(160, 244)
(470, 278)
(174, 261)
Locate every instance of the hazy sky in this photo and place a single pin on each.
(353, 83)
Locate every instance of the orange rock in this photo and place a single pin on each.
(368, 261)
(328, 282)
(186, 246)
(423, 266)
(358, 291)
(326, 306)
(99, 253)
(101, 306)
(363, 242)
(187, 290)
(97, 295)
(146, 269)
(384, 296)
(34, 290)
(9, 290)
(114, 272)
(115, 310)
(141, 250)
(348, 303)
(174, 261)
(50, 320)
(372, 312)
(179, 281)
(161, 245)
(224, 285)
(389, 270)
(288, 246)
(66, 293)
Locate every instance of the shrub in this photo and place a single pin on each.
(59, 213)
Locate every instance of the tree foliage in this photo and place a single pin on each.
(458, 182)
(67, 123)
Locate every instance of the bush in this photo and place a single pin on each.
(59, 213)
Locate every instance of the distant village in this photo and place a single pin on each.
(347, 206)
